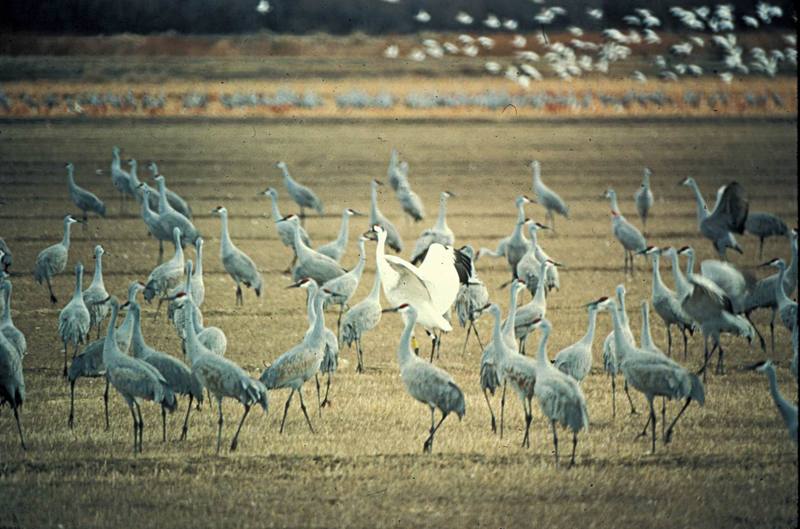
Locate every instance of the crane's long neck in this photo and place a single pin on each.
(6, 318)
(78, 293)
(134, 176)
(658, 284)
(225, 244)
(178, 248)
(97, 278)
(71, 178)
(512, 312)
(538, 296)
(373, 205)
(620, 338)
(690, 265)
(588, 338)
(137, 339)
(404, 353)
(300, 247)
(110, 344)
(702, 209)
(520, 212)
(497, 337)
(780, 292)
(790, 280)
(541, 359)
(198, 267)
(536, 169)
(116, 163)
(319, 320)
(287, 178)
(677, 274)
(65, 238)
(147, 213)
(153, 169)
(647, 338)
(362, 259)
(441, 220)
(276, 214)
(344, 230)
(311, 314)
(534, 239)
(375, 293)
(189, 326)
(780, 402)
(646, 179)
(518, 235)
(614, 205)
(162, 196)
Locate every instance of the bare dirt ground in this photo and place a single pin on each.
(730, 464)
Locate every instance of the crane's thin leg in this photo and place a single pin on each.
(439, 337)
(135, 428)
(185, 429)
(302, 216)
(480, 344)
(429, 442)
(574, 447)
(219, 424)
(668, 435)
(630, 400)
(53, 298)
(291, 265)
(303, 407)
(653, 425)
(65, 358)
(160, 252)
(319, 401)
(141, 424)
(720, 369)
(502, 409)
(235, 441)
(426, 447)
(464, 349)
(555, 439)
(644, 430)
(760, 336)
(71, 418)
(239, 296)
(772, 328)
(339, 323)
(360, 366)
(433, 345)
(669, 340)
(105, 403)
(325, 401)
(526, 440)
(613, 396)
(685, 344)
(663, 416)
(19, 428)
(163, 424)
(286, 409)
(491, 412)
(760, 248)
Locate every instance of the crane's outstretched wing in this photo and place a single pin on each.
(461, 261)
(731, 209)
(706, 299)
(410, 282)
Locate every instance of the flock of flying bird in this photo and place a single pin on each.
(437, 278)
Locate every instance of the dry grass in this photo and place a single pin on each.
(730, 463)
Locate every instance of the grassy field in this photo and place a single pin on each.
(730, 463)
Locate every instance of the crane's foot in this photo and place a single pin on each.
(668, 436)
(325, 402)
(53, 299)
(234, 444)
(184, 432)
(494, 426)
(427, 448)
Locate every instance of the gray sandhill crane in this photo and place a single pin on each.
(133, 379)
(53, 259)
(727, 217)
(330, 355)
(139, 187)
(654, 375)
(610, 359)
(787, 410)
(409, 201)
(151, 220)
(547, 197)
(430, 288)
(376, 217)
(535, 309)
(682, 286)
(340, 289)
(178, 376)
(84, 199)
(629, 237)
(667, 304)
(94, 295)
(174, 311)
(502, 245)
(238, 264)
(120, 178)
(285, 229)
(89, 362)
(440, 232)
(12, 382)
(302, 195)
(647, 344)
(311, 263)
(170, 218)
(426, 382)
(643, 198)
(786, 307)
(73, 320)
(221, 377)
(197, 284)
(709, 306)
(517, 246)
(336, 248)
(764, 225)
(576, 359)
(394, 178)
(300, 363)
(167, 274)
(528, 266)
(6, 259)
(174, 199)
(7, 327)
(471, 299)
(362, 317)
(560, 397)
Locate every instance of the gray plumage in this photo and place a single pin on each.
(786, 307)
(610, 358)
(764, 225)
(629, 237)
(151, 219)
(439, 233)
(302, 195)
(178, 376)
(409, 201)
(139, 187)
(7, 327)
(340, 289)
(74, 319)
(376, 217)
(643, 198)
(84, 199)
(727, 217)
(311, 263)
(394, 177)
(119, 177)
(528, 266)
(576, 360)
(95, 295)
(337, 248)
(787, 410)
(238, 264)
(330, 350)
(426, 382)
(471, 300)
(12, 382)
(133, 379)
(53, 259)
(285, 231)
(547, 197)
(534, 310)
(502, 245)
(171, 218)
(6, 259)
(88, 364)
(174, 199)
(362, 317)
(168, 274)
(175, 312)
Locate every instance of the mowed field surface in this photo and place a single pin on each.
(730, 464)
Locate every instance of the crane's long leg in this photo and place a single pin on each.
(239, 296)
(65, 358)
(685, 344)
(772, 328)
(141, 424)
(526, 440)
(105, 403)
(760, 248)
(613, 396)
(71, 417)
(720, 369)
(480, 343)
(360, 366)
(464, 349)
(668, 435)
(433, 345)
(302, 216)
(303, 407)
(491, 412)
(185, 429)
(325, 401)
(663, 416)
(644, 430)
(163, 424)
(574, 447)
(53, 298)
(653, 425)
(760, 336)
(502, 409)
(669, 340)
(630, 400)
(319, 400)
(426, 446)
(160, 252)
(339, 323)
(286, 409)
(19, 428)
(219, 424)
(555, 439)
(235, 441)
(429, 442)
(135, 428)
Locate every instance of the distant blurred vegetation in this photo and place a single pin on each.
(90, 17)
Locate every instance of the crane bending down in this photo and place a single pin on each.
(430, 288)
(425, 382)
